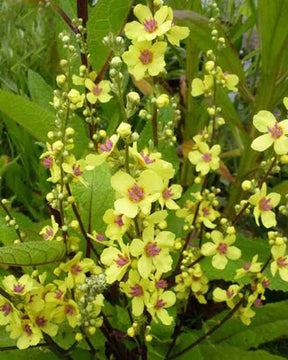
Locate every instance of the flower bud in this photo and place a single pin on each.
(246, 185)
(60, 80)
(78, 337)
(116, 62)
(162, 101)
(124, 129)
(131, 332)
(133, 97)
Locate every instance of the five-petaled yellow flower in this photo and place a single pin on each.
(275, 133)
(204, 158)
(263, 206)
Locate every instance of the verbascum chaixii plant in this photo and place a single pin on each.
(129, 249)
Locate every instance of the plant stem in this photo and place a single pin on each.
(155, 126)
(209, 332)
(7, 211)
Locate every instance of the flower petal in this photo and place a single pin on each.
(262, 142)
(263, 119)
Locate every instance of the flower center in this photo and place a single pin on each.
(167, 194)
(136, 290)
(229, 293)
(121, 260)
(206, 157)
(282, 262)
(160, 304)
(100, 237)
(47, 162)
(97, 90)
(136, 193)
(59, 294)
(69, 310)
(146, 57)
(6, 309)
(161, 284)
(257, 302)
(49, 233)
(222, 249)
(247, 266)
(275, 131)
(27, 329)
(76, 170)
(264, 204)
(76, 269)
(106, 147)
(206, 211)
(18, 288)
(41, 321)
(151, 249)
(265, 283)
(150, 25)
(119, 220)
(146, 158)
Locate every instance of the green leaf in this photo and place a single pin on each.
(107, 16)
(32, 253)
(269, 323)
(40, 91)
(37, 120)
(93, 200)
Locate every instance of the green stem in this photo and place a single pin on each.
(7, 211)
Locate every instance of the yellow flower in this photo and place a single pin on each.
(145, 59)
(246, 313)
(249, 267)
(100, 238)
(204, 158)
(117, 262)
(8, 313)
(136, 288)
(21, 286)
(67, 310)
(153, 252)
(200, 87)
(77, 269)
(263, 206)
(221, 249)
(169, 194)
(150, 26)
(136, 194)
(280, 262)
(28, 334)
(98, 92)
(229, 81)
(265, 122)
(228, 295)
(49, 232)
(117, 223)
(76, 99)
(207, 214)
(105, 150)
(43, 322)
(158, 304)
(75, 168)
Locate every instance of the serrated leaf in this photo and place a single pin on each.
(107, 16)
(96, 198)
(32, 253)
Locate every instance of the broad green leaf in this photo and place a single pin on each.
(107, 16)
(269, 323)
(40, 91)
(32, 253)
(37, 120)
(31, 354)
(93, 200)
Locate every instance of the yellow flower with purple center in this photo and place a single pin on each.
(275, 133)
(8, 313)
(105, 150)
(153, 252)
(98, 92)
(75, 168)
(49, 232)
(149, 27)
(228, 295)
(21, 286)
(207, 214)
(169, 194)
(117, 223)
(28, 334)
(249, 267)
(66, 311)
(158, 304)
(100, 238)
(204, 158)
(280, 262)
(136, 194)
(221, 249)
(145, 59)
(117, 262)
(264, 204)
(137, 289)
(229, 81)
